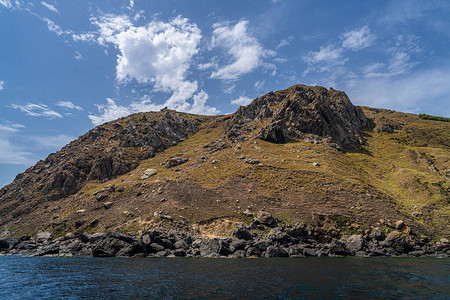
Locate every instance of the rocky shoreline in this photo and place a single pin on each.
(288, 241)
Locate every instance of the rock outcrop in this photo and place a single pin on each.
(104, 152)
(301, 111)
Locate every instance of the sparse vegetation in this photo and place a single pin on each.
(434, 118)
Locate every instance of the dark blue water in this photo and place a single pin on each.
(119, 278)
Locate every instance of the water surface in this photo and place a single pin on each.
(118, 278)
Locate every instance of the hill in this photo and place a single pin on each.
(304, 154)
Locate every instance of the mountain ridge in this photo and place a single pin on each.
(335, 172)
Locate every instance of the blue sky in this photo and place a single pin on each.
(67, 66)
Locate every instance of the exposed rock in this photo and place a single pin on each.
(252, 161)
(107, 205)
(266, 218)
(399, 224)
(275, 132)
(354, 243)
(102, 197)
(148, 173)
(43, 236)
(242, 232)
(247, 212)
(386, 125)
(176, 161)
(302, 110)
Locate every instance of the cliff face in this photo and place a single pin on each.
(302, 112)
(277, 155)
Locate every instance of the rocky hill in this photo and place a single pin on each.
(301, 155)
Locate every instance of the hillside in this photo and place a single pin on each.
(304, 154)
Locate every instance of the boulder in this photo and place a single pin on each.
(43, 236)
(355, 243)
(148, 173)
(213, 247)
(266, 218)
(273, 251)
(50, 249)
(176, 161)
(252, 161)
(242, 233)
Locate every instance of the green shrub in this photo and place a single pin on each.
(435, 118)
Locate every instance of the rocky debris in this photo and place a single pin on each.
(176, 161)
(387, 125)
(252, 161)
(101, 197)
(301, 111)
(107, 205)
(217, 145)
(399, 224)
(316, 164)
(265, 218)
(292, 240)
(148, 173)
(247, 212)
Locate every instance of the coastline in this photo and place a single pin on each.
(289, 241)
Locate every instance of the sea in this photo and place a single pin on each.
(205, 278)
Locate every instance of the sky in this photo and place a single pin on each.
(68, 66)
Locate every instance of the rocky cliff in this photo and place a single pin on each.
(301, 112)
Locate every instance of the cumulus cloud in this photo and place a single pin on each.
(159, 53)
(245, 50)
(357, 39)
(37, 110)
(112, 111)
(68, 105)
(50, 7)
(242, 100)
(2, 85)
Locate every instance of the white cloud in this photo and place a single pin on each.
(51, 142)
(242, 100)
(2, 85)
(6, 3)
(280, 60)
(328, 53)
(68, 105)
(206, 66)
(50, 7)
(78, 56)
(285, 42)
(199, 106)
(37, 110)
(84, 37)
(159, 54)
(405, 93)
(53, 27)
(259, 84)
(112, 111)
(357, 39)
(11, 154)
(245, 50)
